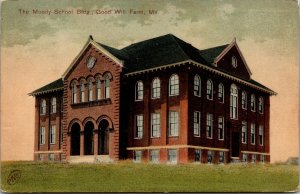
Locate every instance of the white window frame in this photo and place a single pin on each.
(98, 86)
(154, 156)
(172, 156)
(90, 90)
(245, 158)
(53, 105)
(51, 157)
(52, 134)
(74, 93)
(139, 126)
(174, 85)
(233, 102)
(244, 100)
(198, 152)
(209, 89)
(106, 87)
(155, 125)
(234, 61)
(221, 128)
(252, 133)
(252, 106)
(253, 158)
(197, 124)
(197, 85)
(173, 123)
(209, 126)
(221, 156)
(244, 132)
(82, 92)
(261, 135)
(137, 156)
(43, 107)
(210, 156)
(155, 88)
(139, 91)
(221, 93)
(42, 135)
(261, 105)
(262, 159)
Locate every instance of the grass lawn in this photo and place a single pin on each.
(129, 177)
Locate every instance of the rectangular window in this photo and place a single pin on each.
(244, 100)
(209, 126)
(139, 126)
(98, 89)
(262, 159)
(51, 157)
(52, 134)
(253, 133)
(197, 123)
(221, 157)
(253, 158)
(209, 157)
(82, 92)
(53, 105)
(137, 156)
(40, 157)
(172, 156)
(197, 155)
(261, 105)
(90, 91)
(221, 128)
(42, 135)
(261, 135)
(173, 123)
(245, 158)
(155, 125)
(233, 107)
(253, 103)
(154, 156)
(244, 132)
(74, 94)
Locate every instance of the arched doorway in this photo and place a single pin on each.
(88, 138)
(103, 137)
(75, 139)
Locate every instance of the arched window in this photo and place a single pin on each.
(244, 100)
(221, 92)
(253, 102)
(106, 86)
(74, 93)
(261, 105)
(174, 85)
(156, 88)
(234, 61)
(90, 88)
(233, 102)
(43, 107)
(209, 89)
(53, 105)
(82, 92)
(197, 85)
(139, 91)
(98, 85)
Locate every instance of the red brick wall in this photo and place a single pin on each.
(93, 111)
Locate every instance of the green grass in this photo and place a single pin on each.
(128, 177)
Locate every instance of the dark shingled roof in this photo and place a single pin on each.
(53, 86)
(211, 53)
(159, 51)
(155, 52)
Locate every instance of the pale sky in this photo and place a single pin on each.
(36, 49)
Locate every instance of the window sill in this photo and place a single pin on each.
(197, 136)
(155, 137)
(176, 136)
(221, 139)
(138, 138)
(92, 103)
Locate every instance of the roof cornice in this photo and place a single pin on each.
(206, 68)
(46, 91)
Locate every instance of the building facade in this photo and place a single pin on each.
(160, 100)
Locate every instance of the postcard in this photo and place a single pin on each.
(149, 96)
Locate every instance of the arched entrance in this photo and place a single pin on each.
(75, 139)
(103, 137)
(88, 138)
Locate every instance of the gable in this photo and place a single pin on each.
(224, 62)
(91, 48)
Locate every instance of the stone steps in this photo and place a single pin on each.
(90, 159)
